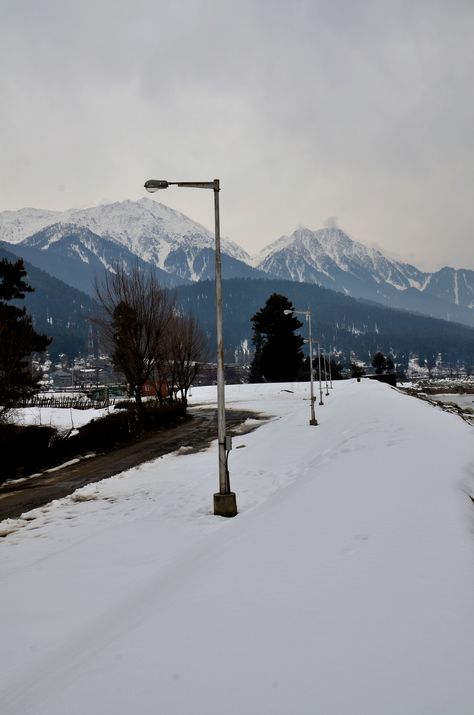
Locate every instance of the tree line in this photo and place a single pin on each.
(279, 355)
(355, 328)
(150, 341)
(156, 345)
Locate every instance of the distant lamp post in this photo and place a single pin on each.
(320, 386)
(307, 314)
(225, 503)
(330, 376)
(325, 375)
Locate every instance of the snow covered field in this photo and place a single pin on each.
(64, 419)
(461, 400)
(344, 586)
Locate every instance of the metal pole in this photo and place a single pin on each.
(224, 502)
(330, 377)
(325, 376)
(224, 486)
(320, 388)
(313, 420)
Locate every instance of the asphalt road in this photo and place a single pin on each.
(195, 434)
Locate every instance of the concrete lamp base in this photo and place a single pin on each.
(225, 504)
(313, 422)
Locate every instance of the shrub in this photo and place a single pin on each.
(106, 432)
(25, 450)
(156, 416)
(99, 435)
(125, 405)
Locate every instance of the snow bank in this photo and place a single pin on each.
(343, 586)
(61, 418)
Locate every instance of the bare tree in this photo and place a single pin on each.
(186, 351)
(138, 316)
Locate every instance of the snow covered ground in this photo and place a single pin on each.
(66, 419)
(344, 586)
(460, 400)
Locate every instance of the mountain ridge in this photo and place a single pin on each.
(328, 257)
(350, 327)
(178, 249)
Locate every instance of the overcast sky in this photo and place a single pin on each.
(309, 111)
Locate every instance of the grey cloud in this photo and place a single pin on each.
(304, 110)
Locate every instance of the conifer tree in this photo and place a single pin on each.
(18, 338)
(278, 354)
(389, 363)
(379, 362)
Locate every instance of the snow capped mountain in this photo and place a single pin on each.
(309, 255)
(77, 256)
(331, 259)
(76, 245)
(145, 227)
(456, 286)
(17, 225)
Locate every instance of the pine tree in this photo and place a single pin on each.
(357, 370)
(379, 362)
(278, 355)
(18, 338)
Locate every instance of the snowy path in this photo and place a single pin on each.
(344, 586)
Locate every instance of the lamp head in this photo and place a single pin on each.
(153, 185)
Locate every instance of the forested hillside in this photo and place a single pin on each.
(58, 310)
(353, 327)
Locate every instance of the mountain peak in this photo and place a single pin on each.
(172, 242)
(324, 239)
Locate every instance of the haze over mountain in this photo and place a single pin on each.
(76, 246)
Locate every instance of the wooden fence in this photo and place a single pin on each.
(66, 402)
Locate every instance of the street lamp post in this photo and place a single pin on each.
(320, 388)
(307, 314)
(225, 503)
(325, 375)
